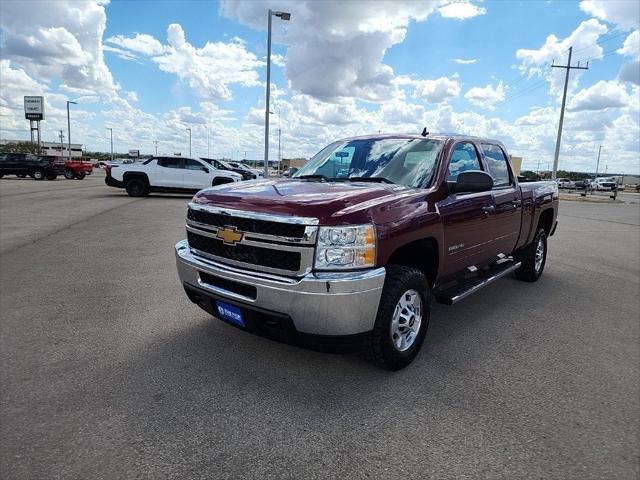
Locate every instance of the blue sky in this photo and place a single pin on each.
(149, 70)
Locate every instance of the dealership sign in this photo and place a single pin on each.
(34, 108)
(134, 153)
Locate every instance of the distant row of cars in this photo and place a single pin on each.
(40, 167)
(175, 174)
(600, 183)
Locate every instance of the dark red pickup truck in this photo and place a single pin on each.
(355, 246)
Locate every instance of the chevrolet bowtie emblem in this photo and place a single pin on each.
(229, 235)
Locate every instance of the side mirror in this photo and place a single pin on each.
(472, 181)
(205, 169)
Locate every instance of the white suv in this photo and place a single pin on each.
(167, 174)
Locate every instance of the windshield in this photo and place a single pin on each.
(408, 162)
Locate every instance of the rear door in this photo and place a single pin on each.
(169, 172)
(506, 219)
(465, 216)
(196, 175)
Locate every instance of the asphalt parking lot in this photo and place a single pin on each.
(108, 371)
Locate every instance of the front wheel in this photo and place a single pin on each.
(402, 320)
(533, 258)
(136, 187)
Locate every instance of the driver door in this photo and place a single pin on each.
(465, 216)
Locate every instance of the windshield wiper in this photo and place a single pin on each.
(370, 179)
(324, 178)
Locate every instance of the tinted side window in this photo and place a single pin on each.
(190, 164)
(170, 162)
(463, 158)
(497, 165)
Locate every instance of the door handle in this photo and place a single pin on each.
(516, 203)
(488, 209)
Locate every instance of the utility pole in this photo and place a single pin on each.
(61, 145)
(69, 127)
(568, 68)
(189, 129)
(598, 162)
(279, 149)
(111, 132)
(156, 142)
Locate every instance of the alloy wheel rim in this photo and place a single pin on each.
(407, 320)
(539, 255)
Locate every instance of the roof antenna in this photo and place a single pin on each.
(425, 132)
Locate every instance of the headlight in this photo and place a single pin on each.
(346, 247)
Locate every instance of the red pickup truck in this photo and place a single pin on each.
(74, 168)
(355, 246)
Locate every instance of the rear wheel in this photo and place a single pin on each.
(80, 175)
(38, 174)
(402, 320)
(533, 258)
(68, 174)
(136, 187)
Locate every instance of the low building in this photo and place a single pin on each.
(53, 149)
(292, 162)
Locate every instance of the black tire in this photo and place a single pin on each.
(137, 187)
(80, 175)
(68, 174)
(399, 281)
(52, 176)
(38, 174)
(530, 271)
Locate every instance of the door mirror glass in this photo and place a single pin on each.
(472, 181)
(205, 169)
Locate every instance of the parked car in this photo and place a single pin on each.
(167, 174)
(566, 183)
(26, 164)
(289, 171)
(604, 183)
(74, 168)
(222, 165)
(258, 173)
(355, 245)
(583, 184)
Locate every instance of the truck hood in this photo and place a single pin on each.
(330, 202)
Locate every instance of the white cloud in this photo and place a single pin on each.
(336, 49)
(630, 72)
(631, 45)
(59, 40)
(602, 95)
(208, 71)
(433, 91)
(461, 10)
(625, 14)
(584, 41)
(141, 43)
(463, 61)
(132, 96)
(486, 96)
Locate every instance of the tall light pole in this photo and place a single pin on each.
(208, 143)
(69, 127)
(283, 16)
(598, 162)
(156, 142)
(111, 132)
(189, 130)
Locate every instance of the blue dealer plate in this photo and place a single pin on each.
(230, 313)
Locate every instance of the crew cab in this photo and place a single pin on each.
(166, 174)
(604, 183)
(37, 167)
(74, 168)
(356, 245)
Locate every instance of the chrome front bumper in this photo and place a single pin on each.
(317, 303)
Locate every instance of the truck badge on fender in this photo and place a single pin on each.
(229, 235)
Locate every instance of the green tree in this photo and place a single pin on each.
(20, 147)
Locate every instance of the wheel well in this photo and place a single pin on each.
(221, 180)
(130, 175)
(421, 254)
(546, 220)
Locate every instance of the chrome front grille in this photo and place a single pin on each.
(264, 242)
